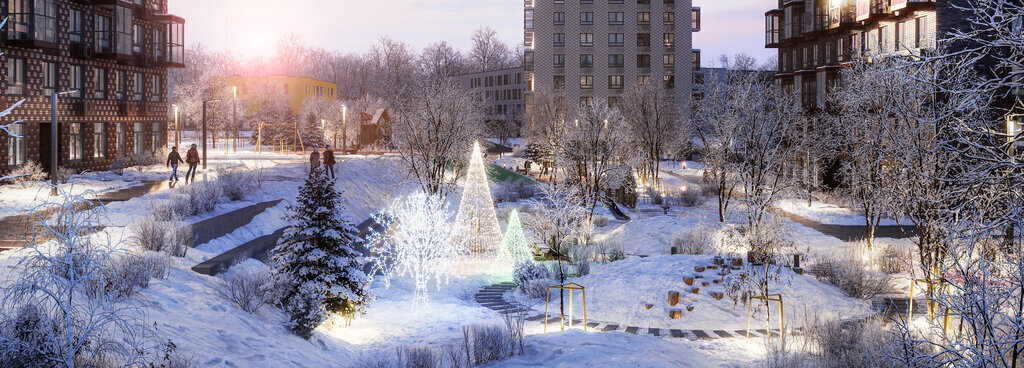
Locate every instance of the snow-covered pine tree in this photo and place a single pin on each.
(318, 253)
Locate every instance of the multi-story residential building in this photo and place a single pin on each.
(298, 89)
(599, 48)
(815, 37)
(503, 91)
(114, 53)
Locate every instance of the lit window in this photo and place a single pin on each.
(99, 140)
(16, 145)
(586, 82)
(615, 81)
(15, 76)
(586, 39)
(75, 148)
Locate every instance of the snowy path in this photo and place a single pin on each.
(492, 297)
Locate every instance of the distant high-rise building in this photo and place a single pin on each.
(502, 90)
(114, 53)
(593, 49)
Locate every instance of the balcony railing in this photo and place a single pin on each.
(867, 9)
(841, 15)
(32, 24)
(772, 26)
(814, 23)
(903, 4)
(170, 51)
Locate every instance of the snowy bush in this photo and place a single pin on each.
(203, 196)
(24, 174)
(491, 343)
(697, 241)
(515, 324)
(655, 196)
(893, 260)
(118, 166)
(248, 287)
(148, 234)
(527, 271)
(693, 196)
(835, 343)
(418, 357)
(537, 288)
(236, 185)
(132, 272)
(850, 276)
(24, 337)
(601, 221)
(145, 160)
(375, 359)
(580, 256)
(172, 237)
(305, 309)
(64, 174)
(610, 251)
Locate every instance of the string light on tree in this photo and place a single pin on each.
(515, 241)
(476, 210)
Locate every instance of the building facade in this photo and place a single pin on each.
(596, 49)
(113, 53)
(503, 90)
(815, 37)
(298, 89)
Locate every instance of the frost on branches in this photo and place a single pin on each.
(476, 210)
(421, 242)
(318, 254)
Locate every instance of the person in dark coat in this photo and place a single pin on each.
(192, 159)
(314, 161)
(173, 159)
(329, 160)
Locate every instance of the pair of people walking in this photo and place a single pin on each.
(191, 158)
(328, 161)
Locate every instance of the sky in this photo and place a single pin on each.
(251, 27)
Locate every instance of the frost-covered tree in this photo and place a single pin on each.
(489, 52)
(652, 124)
(545, 123)
(422, 241)
(717, 127)
(317, 253)
(555, 222)
(592, 149)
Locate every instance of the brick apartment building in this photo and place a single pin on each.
(502, 89)
(115, 53)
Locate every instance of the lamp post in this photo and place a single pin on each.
(344, 129)
(204, 130)
(234, 117)
(177, 132)
(54, 152)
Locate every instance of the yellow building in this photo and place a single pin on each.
(298, 89)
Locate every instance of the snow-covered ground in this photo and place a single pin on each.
(827, 213)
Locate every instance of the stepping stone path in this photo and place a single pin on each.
(493, 297)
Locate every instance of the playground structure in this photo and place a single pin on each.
(296, 145)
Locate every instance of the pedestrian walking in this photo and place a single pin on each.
(314, 161)
(329, 160)
(173, 159)
(192, 159)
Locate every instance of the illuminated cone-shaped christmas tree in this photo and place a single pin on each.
(515, 240)
(476, 210)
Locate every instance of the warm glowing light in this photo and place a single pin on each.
(682, 188)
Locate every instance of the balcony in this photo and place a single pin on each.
(32, 24)
(169, 45)
(84, 107)
(695, 15)
(872, 9)
(910, 4)
(815, 24)
(843, 14)
(114, 41)
(773, 28)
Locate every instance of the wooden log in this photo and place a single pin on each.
(736, 262)
(698, 268)
(695, 290)
(706, 284)
(717, 295)
(673, 298)
(798, 270)
(718, 260)
(689, 308)
(675, 314)
(712, 267)
(717, 281)
(648, 305)
(688, 281)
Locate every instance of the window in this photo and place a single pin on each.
(616, 18)
(99, 140)
(614, 101)
(123, 41)
(643, 1)
(668, 60)
(670, 39)
(33, 19)
(49, 78)
(670, 1)
(616, 1)
(78, 81)
(643, 39)
(864, 43)
(670, 81)
(559, 61)
(669, 18)
(883, 34)
(586, 1)
(528, 40)
(528, 17)
(99, 83)
(140, 133)
(137, 92)
(643, 18)
(122, 139)
(586, 101)
(16, 145)
(586, 82)
(616, 39)
(528, 56)
(696, 59)
(586, 60)
(139, 42)
(643, 60)
(586, 18)
(158, 43)
(921, 32)
(615, 81)
(559, 39)
(15, 76)
(616, 61)
(695, 18)
(156, 132)
(643, 80)
(101, 30)
(154, 88)
(75, 148)
(559, 18)
(559, 82)
(901, 34)
(586, 39)
(121, 84)
(76, 27)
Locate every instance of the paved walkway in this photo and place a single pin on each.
(493, 297)
(14, 229)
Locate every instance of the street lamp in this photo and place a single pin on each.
(54, 152)
(234, 117)
(204, 129)
(344, 130)
(177, 132)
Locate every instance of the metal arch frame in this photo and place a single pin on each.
(571, 287)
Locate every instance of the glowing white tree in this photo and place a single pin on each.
(420, 242)
(476, 210)
(516, 248)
